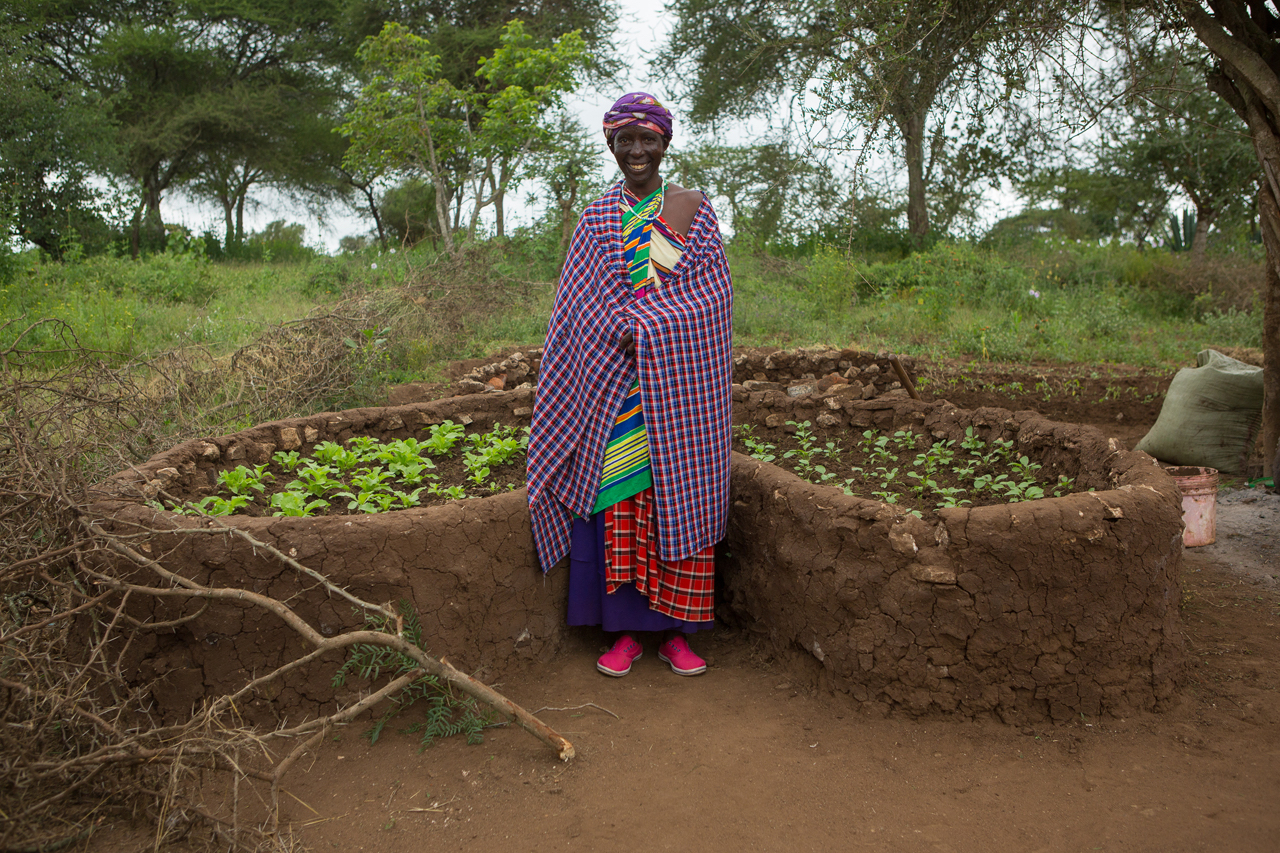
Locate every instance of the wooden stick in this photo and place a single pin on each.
(903, 377)
(440, 668)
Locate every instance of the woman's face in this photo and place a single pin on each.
(639, 151)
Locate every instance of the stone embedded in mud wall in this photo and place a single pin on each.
(796, 373)
(1039, 610)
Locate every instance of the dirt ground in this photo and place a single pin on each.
(750, 757)
(747, 757)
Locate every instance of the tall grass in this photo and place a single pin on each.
(1066, 302)
(1054, 301)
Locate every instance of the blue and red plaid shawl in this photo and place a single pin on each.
(682, 332)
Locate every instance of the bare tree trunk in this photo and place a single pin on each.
(1269, 216)
(912, 129)
(1200, 242)
(367, 189)
(228, 217)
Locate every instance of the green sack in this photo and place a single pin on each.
(1210, 416)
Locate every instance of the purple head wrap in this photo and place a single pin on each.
(638, 108)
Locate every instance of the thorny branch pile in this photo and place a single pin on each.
(78, 747)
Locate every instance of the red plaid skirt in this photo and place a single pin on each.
(684, 589)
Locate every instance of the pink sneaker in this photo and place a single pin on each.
(617, 661)
(683, 661)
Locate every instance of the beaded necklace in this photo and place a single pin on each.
(661, 199)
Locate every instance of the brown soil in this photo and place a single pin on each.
(750, 756)
(745, 758)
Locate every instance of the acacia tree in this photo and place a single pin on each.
(275, 135)
(174, 79)
(470, 145)
(54, 136)
(772, 193)
(1244, 37)
(1172, 131)
(883, 63)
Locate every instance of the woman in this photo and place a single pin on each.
(629, 447)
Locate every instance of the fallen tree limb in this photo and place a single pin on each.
(186, 588)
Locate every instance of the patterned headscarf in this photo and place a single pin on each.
(638, 108)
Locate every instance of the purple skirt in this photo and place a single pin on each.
(624, 610)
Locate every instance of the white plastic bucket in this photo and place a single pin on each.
(1199, 503)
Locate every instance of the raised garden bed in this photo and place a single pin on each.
(449, 462)
(1048, 608)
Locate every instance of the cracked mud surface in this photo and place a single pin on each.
(751, 757)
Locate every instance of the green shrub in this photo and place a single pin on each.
(1233, 328)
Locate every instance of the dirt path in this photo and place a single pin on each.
(747, 758)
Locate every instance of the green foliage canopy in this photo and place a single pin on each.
(465, 141)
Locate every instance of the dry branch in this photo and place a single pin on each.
(440, 668)
(79, 744)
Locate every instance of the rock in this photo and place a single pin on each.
(868, 391)
(827, 419)
(469, 386)
(758, 385)
(289, 438)
(209, 450)
(235, 453)
(775, 419)
(800, 390)
(933, 574)
(831, 379)
(310, 434)
(498, 383)
(845, 391)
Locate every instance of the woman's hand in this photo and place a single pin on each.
(628, 344)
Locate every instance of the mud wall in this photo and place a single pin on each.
(1028, 611)
(1046, 609)
(797, 372)
(467, 568)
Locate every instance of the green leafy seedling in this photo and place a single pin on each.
(315, 480)
(371, 480)
(288, 460)
(295, 504)
(335, 455)
(413, 473)
(364, 446)
(214, 505)
(443, 437)
(242, 480)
